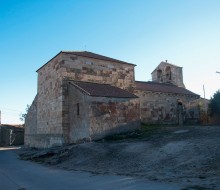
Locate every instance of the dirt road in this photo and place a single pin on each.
(185, 156)
(16, 174)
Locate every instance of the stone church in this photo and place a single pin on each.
(83, 96)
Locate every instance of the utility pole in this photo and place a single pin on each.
(205, 106)
(204, 90)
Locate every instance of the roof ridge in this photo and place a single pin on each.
(163, 87)
(88, 54)
(80, 88)
(158, 83)
(170, 64)
(91, 82)
(99, 56)
(70, 51)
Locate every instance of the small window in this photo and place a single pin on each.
(180, 103)
(77, 107)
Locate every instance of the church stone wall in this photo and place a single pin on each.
(53, 118)
(162, 108)
(90, 70)
(49, 112)
(78, 121)
(109, 116)
(98, 71)
(52, 127)
(92, 118)
(31, 123)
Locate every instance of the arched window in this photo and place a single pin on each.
(168, 73)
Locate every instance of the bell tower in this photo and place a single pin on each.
(168, 73)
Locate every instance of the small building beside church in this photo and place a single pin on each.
(83, 96)
(11, 135)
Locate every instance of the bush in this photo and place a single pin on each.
(214, 104)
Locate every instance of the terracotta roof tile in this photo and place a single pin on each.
(162, 87)
(102, 90)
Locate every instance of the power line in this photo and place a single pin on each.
(10, 109)
(3, 113)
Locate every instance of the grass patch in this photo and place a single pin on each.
(144, 132)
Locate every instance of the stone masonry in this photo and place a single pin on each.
(168, 73)
(52, 126)
(100, 116)
(161, 108)
(165, 100)
(82, 96)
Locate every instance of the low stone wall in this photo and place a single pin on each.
(43, 140)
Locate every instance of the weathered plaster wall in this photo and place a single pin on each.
(162, 108)
(174, 75)
(113, 115)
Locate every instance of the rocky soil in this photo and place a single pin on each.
(187, 156)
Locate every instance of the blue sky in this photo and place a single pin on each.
(143, 32)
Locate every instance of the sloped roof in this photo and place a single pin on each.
(89, 55)
(102, 90)
(162, 87)
(95, 56)
(16, 126)
(162, 62)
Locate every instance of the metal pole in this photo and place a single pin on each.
(206, 108)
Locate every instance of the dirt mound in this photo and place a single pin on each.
(189, 156)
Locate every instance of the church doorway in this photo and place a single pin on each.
(180, 112)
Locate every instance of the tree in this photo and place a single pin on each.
(214, 104)
(23, 115)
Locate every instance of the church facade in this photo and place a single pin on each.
(83, 96)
